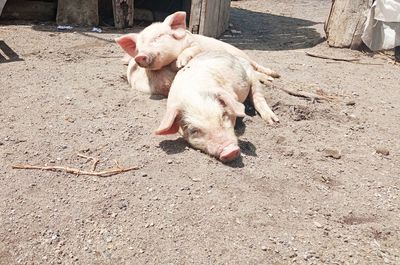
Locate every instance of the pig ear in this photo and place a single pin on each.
(170, 122)
(177, 22)
(128, 43)
(232, 104)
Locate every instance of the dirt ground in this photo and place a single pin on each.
(286, 201)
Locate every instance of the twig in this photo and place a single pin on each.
(332, 58)
(105, 173)
(304, 94)
(95, 160)
(85, 156)
(76, 171)
(95, 164)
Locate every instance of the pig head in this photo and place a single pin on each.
(206, 122)
(159, 44)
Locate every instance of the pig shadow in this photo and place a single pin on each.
(247, 148)
(172, 147)
(268, 32)
(237, 163)
(179, 145)
(7, 54)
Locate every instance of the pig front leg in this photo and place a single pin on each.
(187, 55)
(261, 105)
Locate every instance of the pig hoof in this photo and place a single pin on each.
(229, 153)
(181, 62)
(271, 118)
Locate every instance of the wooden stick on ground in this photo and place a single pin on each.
(95, 160)
(304, 94)
(105, 173)
(76, 171)
(332, 58)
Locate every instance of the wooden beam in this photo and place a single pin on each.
(123, 13)
(195, 15)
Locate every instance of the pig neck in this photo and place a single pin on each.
(189, 40)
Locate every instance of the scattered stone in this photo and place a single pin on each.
(351, 103)
(332, 153)
(383, 151)
(144, 174)
(264, 248)
(169, 161)
(280, 139)
(318, 225)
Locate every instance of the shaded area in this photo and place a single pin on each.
(247, 148)
(237, 163)
(263, 31)
(173, 146)
(7, 54)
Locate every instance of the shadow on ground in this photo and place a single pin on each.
(268, 32)
(7, 54)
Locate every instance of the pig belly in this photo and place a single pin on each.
(148, 81)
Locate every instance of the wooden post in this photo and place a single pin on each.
(345, 23)
(123, 13)
(209, 17)
(397, 53)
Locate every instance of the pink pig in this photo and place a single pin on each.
(205, 98)
(162, 48)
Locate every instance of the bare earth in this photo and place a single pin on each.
(285, 202)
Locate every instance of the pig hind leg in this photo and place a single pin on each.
(260, 103)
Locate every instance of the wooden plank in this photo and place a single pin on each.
(195, 14)
(346, 23)
(214, 17)
(77, 12)
(123, 13)
(202, 16)
(224, 14)
(209, 19)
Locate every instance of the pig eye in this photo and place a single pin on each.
(225, 116)
(194, 131)
(159, 37)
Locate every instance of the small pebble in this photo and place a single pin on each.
(318, 225)
(332, 153)
(351, 103)
(169, 161)
(383, 151)
(264, 248)
(143, 175)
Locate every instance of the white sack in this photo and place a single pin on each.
(382, 30)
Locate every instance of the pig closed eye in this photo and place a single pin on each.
(159, 37)
(194, 131)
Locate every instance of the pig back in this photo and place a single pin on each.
(213, 70)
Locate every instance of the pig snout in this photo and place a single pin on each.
(229, 152)
(144, 60)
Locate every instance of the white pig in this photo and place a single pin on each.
(205, 98)
(158, 46)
